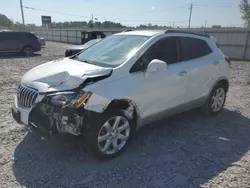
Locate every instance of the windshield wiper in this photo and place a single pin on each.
(82, 60)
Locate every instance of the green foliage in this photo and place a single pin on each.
(4, 21)
(89, 24)
(103, 25)
(245, 11)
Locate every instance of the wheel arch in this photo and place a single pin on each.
(27, 45)
(129, 107)
(222, 80)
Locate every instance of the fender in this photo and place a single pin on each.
(99, 104)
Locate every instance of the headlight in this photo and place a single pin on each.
(74, 99)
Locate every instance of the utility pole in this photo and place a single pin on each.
(190, 14)
(21, 5)
(92, 24)
(205, 23)
(173, 24)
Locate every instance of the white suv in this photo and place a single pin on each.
(121, 83)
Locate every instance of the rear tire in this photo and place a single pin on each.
(28, 51)
(216, 100)
(111, 134)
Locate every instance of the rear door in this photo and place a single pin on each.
(199, 68)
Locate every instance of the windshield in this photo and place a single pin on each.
(112, 51)
(91, 42)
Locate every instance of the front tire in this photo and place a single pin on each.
(110, 134)
(216, 100)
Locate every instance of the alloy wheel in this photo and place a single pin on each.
(113, 135)
(218, 99)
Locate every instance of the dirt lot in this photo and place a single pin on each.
(188, 150)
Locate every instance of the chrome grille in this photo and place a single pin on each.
(26, 96)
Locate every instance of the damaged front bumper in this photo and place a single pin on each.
(50, 119)
(51, 115)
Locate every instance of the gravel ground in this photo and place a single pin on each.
(187, 150)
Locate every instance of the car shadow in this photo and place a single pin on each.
(186, 150)
(16, 55)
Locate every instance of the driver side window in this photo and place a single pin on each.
(165, 49)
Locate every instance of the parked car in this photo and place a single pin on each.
(123, 82)
(15, 41)
(90, 35)
(41, 41)
(72, 50)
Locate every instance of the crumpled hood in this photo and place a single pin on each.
(61, 74)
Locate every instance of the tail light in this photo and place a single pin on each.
(228, 60)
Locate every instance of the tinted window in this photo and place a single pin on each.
(193, 48)
(165, 50)
(7, 36)
(30, 36)
(1, 36)
(13, 35)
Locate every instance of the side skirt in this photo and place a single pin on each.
(173, 111)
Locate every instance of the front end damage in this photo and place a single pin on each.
(65, 111)
(62, 113)
(74, 112)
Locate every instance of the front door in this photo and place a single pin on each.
(159, 92)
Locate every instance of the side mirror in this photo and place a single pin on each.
(157, 65)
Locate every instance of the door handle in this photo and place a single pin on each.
(182, 73)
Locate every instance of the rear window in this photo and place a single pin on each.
(8, 36)
(16, 35)
(193, 48)
(31, 36)
(1, 36)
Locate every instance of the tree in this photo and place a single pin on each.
(98, 24)
(216, 26)
(90, 24)
(245, 11)
(4, 21)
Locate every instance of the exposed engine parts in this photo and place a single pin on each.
(69, 112)
(59, 119)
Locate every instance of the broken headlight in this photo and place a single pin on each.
(73, 99)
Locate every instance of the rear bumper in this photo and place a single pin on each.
(37, 48)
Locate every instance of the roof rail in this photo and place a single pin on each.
(199, 33)
(127, 30)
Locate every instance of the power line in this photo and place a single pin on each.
(55, 12)
(219, 6)
(152, 21)
(161, 10)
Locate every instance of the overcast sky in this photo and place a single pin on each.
(129, 12)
